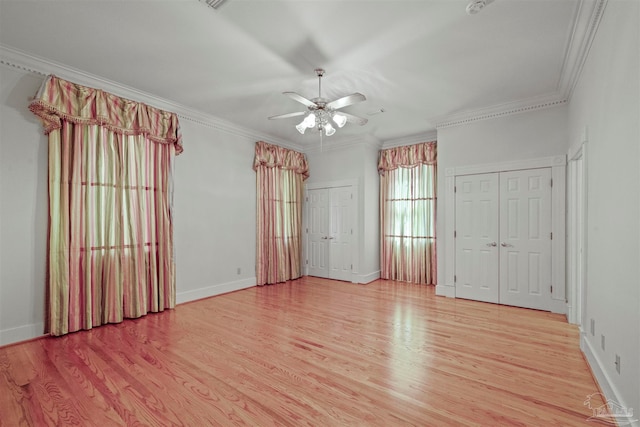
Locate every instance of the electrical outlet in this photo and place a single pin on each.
(617, 363)
(239, 270)
(593, 327)
(602, 341)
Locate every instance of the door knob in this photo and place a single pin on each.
(331, 238)
(492, 244)
(506, 245)
(324, 238)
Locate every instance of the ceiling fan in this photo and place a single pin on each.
(321, 112)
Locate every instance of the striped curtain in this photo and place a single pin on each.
(280, 174)
(110, 193)
(408, 212)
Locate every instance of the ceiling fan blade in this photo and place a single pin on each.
(346, 101)
(301, 99)
(286, 116)
(354, 119)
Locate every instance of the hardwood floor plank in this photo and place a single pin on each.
(311, 352)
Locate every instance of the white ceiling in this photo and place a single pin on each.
(425, 63)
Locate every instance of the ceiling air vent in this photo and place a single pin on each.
(214, 3)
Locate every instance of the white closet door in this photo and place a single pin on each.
(340, 231)
(476, 263)
(330, 232)
(525, 238)
(318, 232)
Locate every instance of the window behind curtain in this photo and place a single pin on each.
(280, 173)
(110, 222)
(408, 206)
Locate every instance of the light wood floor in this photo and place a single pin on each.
(308, 352)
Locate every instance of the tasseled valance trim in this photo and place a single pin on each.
(59, 100)
(407, 156)
(274, 156)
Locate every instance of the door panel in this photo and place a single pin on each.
(340, 201)
(318, 247)
(525, 245)
(476, 237)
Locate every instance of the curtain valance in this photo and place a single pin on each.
(58, 99)
(273, 156)
(407, 156)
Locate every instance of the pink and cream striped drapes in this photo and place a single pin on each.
(407, 213)
(280, 173)
(110, 194)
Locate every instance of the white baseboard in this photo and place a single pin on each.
(366, 278)
(606, 385)
(209, 291)
(446, 291)
(21, 333)
(27, 332)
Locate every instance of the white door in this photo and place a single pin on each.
(503, 238)
(329, 232)
(340, 232)
(317, 233)
(525, 238)
(476, 263)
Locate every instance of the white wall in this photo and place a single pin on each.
(523, 136)
(214, 210)
(23, 209)
(358, 163)
(606, 103)
(371, 214)
(530, 135)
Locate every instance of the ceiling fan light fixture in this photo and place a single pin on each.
(328, 129)
(310, 120)
(308, 123)
(339, 119)
(322, 111)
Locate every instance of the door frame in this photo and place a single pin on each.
(558, 164)
(355, 241)
(577, 232)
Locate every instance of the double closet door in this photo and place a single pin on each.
(330, 232)
(503, 238)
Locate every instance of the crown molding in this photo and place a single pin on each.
(587, 18)
(492, 112)
(585, 25)
(31, 64)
